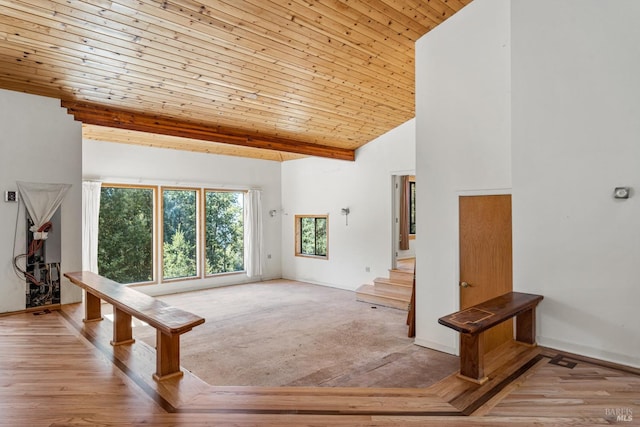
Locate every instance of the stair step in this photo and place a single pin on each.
(392, 285)
(370, 294)
(401, 275)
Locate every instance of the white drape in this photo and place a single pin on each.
(253, 233)
(41, 201)
(90, 215)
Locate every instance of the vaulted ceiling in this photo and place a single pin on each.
(271, 79)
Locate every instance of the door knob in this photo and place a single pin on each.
(465, 284)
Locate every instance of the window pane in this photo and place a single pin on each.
(321, 236)
(308, 236)
(311, 235)
(224, 232)
(125, 236)
(180, 234)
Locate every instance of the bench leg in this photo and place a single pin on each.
(167, 356)
(472, 358)
(91, 308)
(526, 327)
(122, 333)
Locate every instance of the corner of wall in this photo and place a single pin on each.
(42, 145)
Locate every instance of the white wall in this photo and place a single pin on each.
(409, 253)
(576, 136)
(462, 147)
(573, 119)
(39, 142)
(321, 186)
(120, 163)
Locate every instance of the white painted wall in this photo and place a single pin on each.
(39, 142)
(409, 253)
(576, 136)
(573, 119)
(120, 163)
(462, 147)
(321, 186)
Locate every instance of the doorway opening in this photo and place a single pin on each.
(404, 226)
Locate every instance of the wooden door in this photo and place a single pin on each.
(485, 257)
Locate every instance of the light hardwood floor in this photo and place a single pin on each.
(55, 370)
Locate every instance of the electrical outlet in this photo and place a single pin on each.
(10, 196)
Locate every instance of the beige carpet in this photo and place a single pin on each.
(281, 332)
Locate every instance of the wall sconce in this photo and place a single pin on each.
(622, 192)
(345, 212)
(272, 213)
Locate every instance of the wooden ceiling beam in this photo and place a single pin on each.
(93, 114)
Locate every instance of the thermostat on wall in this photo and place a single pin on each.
(621, 192)
(10, 196)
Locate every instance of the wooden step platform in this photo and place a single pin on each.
(393, 291)
(401, 275)
(392, 285)
(372, 295)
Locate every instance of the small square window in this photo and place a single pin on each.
(311, 236)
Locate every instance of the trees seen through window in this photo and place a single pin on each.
(125, 236)
(311, 235)
(193, 242)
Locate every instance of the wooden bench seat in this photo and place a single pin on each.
(473, 321)
(170, 322)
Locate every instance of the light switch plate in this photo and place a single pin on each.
(10, 196)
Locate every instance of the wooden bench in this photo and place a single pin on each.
(473, 321)
(170, 322)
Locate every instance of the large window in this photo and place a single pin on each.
(224, 232)
(199, 233)
(179, 233)
(125, 237)
(311, 236)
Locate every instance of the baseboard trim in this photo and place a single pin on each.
(328, 285)
(549, 352)
(436, 346)
(589, 352)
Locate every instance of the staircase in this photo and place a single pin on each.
(394, 291)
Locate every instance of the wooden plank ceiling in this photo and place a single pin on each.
(271, 79)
